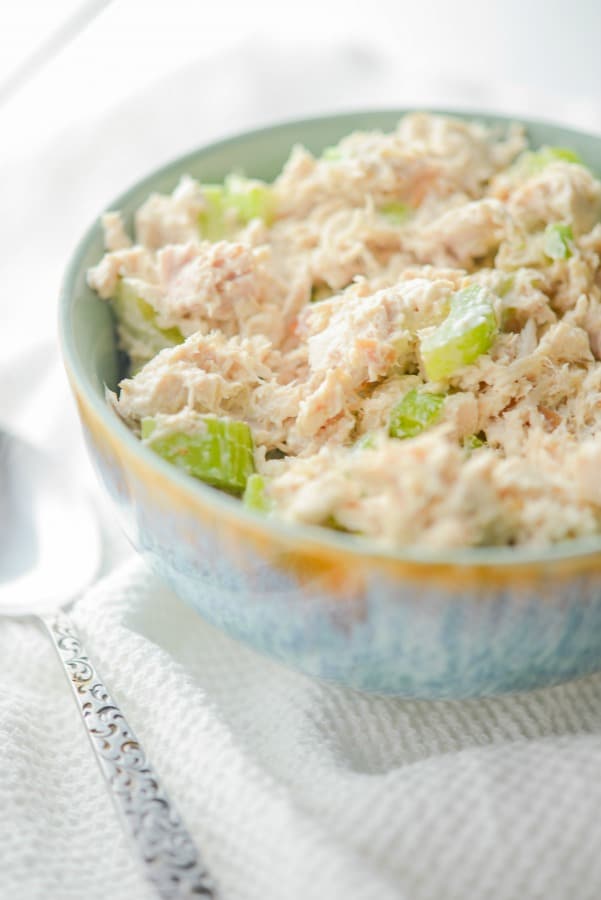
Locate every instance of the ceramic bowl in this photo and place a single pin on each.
(454, 624)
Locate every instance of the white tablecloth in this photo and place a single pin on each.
(293, 789)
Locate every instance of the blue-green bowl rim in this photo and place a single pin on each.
(277, 528)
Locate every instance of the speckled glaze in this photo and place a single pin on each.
(460, 624)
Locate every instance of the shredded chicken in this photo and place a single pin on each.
(312, 324)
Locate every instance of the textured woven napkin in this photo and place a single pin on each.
(293, 789)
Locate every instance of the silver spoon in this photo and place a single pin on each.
(42, 518)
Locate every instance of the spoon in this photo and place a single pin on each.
(50, 550)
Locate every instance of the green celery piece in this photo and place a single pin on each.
(220, 454)
(320, 292)
(474, 442)
(367, 441)
(212, 220)
(251, 199)
(248, 198)
(137, 318)
(564, 153)
(148, 426)
(416, 412)
(534, 161)
(468, 331)
(149, 315)
(331, 153)
(558, 238)
(255, 497)
(396, 213)
(506, 285)
(334, 525)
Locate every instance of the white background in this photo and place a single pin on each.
(547, 46)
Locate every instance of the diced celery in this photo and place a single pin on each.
(533, 162)
(505, 285)
(564, 153)
(334, 525)
(255, 497)
(367, 441)
(138, 320)
(331, 153)
(320, 292)
(396, 213)
(252, 199)
(416, 412)
(474, 441)
(149, 315)
(221, 453)
(147, 427)
(212, 220)
(558, 239)
(551, 154)
(467, 332)
(245, 198)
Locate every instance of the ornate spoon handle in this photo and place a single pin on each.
(167, 852)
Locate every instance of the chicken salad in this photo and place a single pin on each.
(399, 338)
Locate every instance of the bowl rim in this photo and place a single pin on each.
(355, 546)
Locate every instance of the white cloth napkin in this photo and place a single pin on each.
(293, 789)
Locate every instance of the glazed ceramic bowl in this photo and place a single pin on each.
(453, 624)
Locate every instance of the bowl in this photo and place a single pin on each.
(413, 623)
